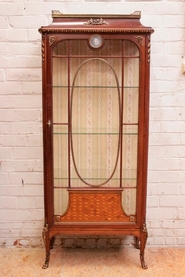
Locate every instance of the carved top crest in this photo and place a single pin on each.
(94, 21)
(119, 23)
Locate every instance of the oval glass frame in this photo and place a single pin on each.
(119, 125)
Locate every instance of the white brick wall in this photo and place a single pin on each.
(21, 176)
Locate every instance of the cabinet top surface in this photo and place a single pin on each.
(95, 22)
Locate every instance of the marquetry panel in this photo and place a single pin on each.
(94, 207)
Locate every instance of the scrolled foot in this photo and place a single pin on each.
(46, 263)
(143, 264)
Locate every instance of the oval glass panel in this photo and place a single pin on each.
(95, 122)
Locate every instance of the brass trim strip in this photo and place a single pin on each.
(57, 13)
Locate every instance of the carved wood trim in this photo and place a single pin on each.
(116, 30)
(96, 21)
(149, 45)
(43, 47)
(52, 39)
(139, 39)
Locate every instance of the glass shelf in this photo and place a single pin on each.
(113, 179)
(80, 133)
(63, 130)
(115, 87)
(94, 56)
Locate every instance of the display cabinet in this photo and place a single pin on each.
(95, 126)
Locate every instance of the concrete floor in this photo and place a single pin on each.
(119, 262)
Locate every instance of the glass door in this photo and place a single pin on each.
(95, 118)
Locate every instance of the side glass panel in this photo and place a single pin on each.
(129, 156)
(95, 119)
(130, 126)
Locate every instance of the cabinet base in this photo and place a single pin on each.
(140, 242)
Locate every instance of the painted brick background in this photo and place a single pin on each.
(21, 174)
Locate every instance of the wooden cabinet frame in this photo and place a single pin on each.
(95, 126)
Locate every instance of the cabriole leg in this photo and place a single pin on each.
(46, 263)
(46, 240)
(144, 236)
